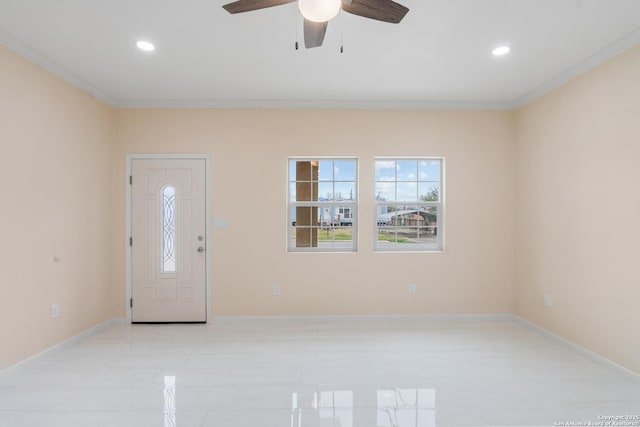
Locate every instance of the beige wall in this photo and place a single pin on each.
(578, 210)
(56, 174)
(249, 150)
(564, 167)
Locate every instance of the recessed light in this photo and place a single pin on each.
(146, 46)
(501, 50)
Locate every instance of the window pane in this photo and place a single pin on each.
(345, 191)
(407, 192)
(292, 170)
(325, 191)
(326, 234)
(385, 192)
(325, 215)
(333, 235)
(306, 191)
(429, 170)
(303, 237)
(429, 191)
(325, 170)
(345, 170)
(306, 216)
(304, 230)
(168, 229)
(381, 210)
(304, 170)
(385, 170)
(407, 170)
(302, 220)
(387, 232)
(292, 191)
(407, 227)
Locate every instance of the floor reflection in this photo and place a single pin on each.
(328, 407)
(169, 401)
(388, 408)
(407, 407)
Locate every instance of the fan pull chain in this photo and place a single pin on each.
(297, 18)
(340, 22)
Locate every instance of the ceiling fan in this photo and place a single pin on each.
(318, 13)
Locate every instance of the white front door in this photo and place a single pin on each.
(168, 229)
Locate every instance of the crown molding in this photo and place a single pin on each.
(53, 67)
(311, 104)
(594, 60)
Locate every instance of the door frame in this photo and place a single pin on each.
(128, 207)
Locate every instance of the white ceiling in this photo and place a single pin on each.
(439, 56)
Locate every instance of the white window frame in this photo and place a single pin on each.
(337, 204)
(440, 204)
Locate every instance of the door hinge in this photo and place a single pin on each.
(130, 241)
(131, 302)
(130, 179)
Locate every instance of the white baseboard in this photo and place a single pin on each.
(66, 343)
(594, 357)
(498, 316)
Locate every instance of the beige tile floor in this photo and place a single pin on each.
(315, 372)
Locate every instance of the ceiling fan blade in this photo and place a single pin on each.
(380, 10)
(249, 5)
(314, 33)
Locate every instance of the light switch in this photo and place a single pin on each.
(220, 222)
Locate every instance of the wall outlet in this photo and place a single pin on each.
(55, 311)
(412, 288)
(548, 300)
(276, 290)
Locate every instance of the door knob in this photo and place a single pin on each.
(200, 249)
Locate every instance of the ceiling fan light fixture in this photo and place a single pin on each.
(319, 10)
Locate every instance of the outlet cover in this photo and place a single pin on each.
(548, 300)
(412, 288)
(276, 290)
(55, 311)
